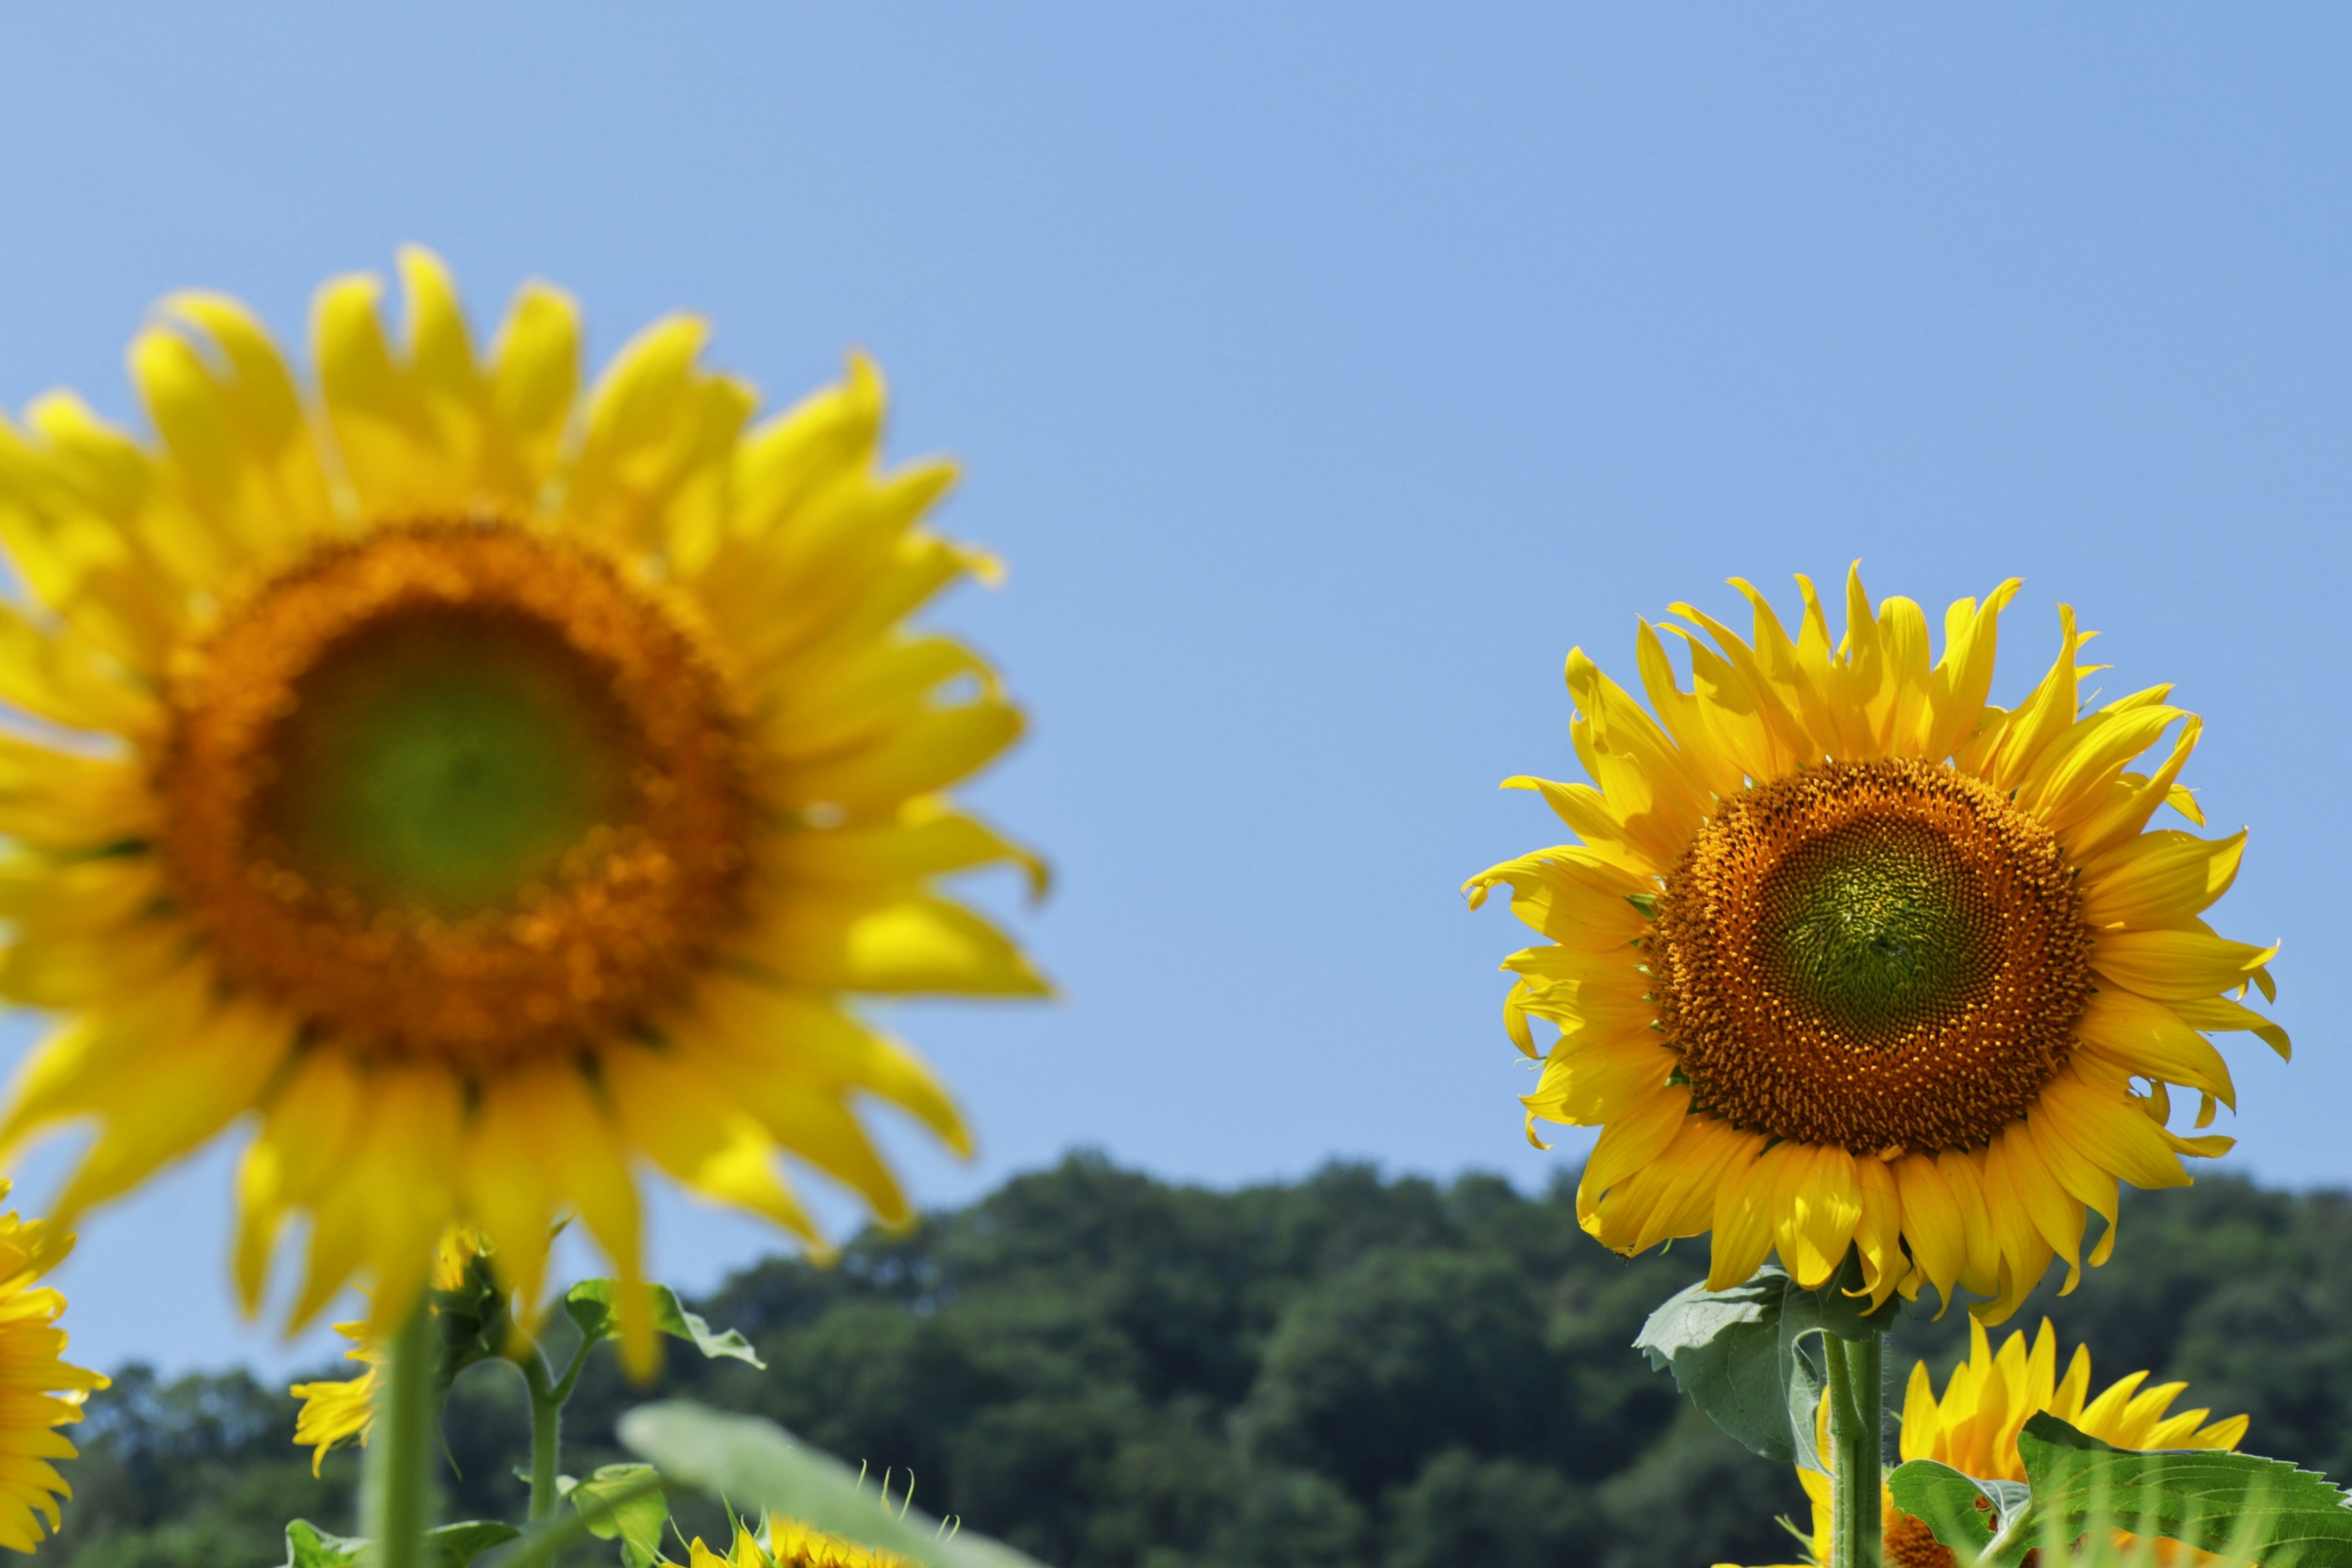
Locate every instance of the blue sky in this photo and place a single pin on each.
(1324, 374)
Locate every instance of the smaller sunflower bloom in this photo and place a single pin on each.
(333, 1413)
(1974, 1428)
(791, 1545)
(38, 1391)
(1850, 959)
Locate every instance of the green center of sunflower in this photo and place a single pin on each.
(446, 759)
(1883, 955)
(1877, 926)
(458, 788)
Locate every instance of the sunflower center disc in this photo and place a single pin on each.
(445, 758)
(1881, 955)
(1877, 926)
(458, 789)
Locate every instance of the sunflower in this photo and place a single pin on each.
(1973, 1428)
(334, 1413)
(1848, 959)
(38, 1391)
(791, 1545)
(483, 787)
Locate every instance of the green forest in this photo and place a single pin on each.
(1347, 1372)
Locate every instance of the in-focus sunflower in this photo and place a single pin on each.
(1848, 958)
(487, 787)
(1974, 1428)
(38, 1391)
(791, 1545)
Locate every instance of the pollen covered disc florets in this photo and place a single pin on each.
(1884, 955)
(457, 788)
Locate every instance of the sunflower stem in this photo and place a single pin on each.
(1857, 1408)
(546, 1431)
(398, 1501)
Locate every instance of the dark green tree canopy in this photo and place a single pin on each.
(1347, 1371)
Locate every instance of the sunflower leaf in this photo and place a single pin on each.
(1746, 1355)
(616, 1504)
(455, 1545)
(1960, 1510)
(450, 1546)
(590, 1305)
(756, 1465)
(2240, 1504)
(307, 1546)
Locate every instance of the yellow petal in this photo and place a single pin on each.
(918, 756)
(910, 944)
(2159, 879)
(2177, 964)
(1820, 1204)
(1931, 1221)
(2147, 1039)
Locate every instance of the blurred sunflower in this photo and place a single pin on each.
(1848, 958)
(486, 787)
(38, 1391)
(1974, 1428)
(791, 1545)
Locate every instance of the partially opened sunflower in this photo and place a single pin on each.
(482, 788)
(1847, 958)
(1974, 1428)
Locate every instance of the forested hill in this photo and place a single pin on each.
(1345, 1372)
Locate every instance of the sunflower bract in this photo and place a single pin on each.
(1848, 959)
(484, 786)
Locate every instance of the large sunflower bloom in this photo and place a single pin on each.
(1974, 1428)
(483, 787)
(38, 1391)
(1849, 959)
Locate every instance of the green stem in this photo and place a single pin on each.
(1857, 1409)
(398, 1496)
(546, 1431)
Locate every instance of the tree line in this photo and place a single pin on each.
(1350, 1370)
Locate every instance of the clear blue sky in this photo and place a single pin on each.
(1325, 373)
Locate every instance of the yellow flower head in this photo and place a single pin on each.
(489, 785)
(41, 1391)
(1847, 958)
(333, 1413)
(791, 1545)
(1974, 1428)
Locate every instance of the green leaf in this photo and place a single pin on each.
(2241, 1505)
(1743, 1355)
(590, 1304)
(451, 1546)
(756, 1465)
(2248, 1506)
(307, 1546)
(617, 1506)
(455, 1545)
(1959, 1509)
